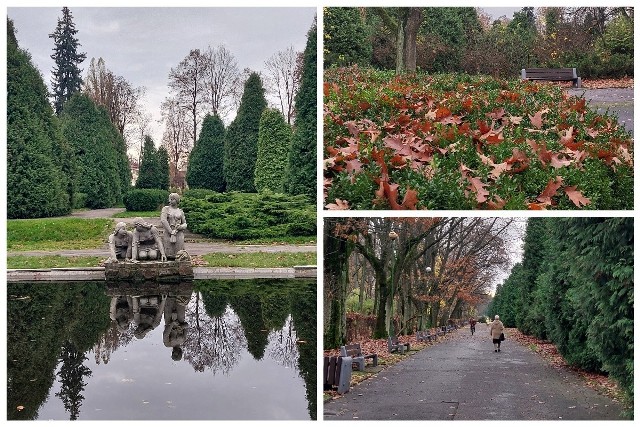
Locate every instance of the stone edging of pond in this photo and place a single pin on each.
(97, 273)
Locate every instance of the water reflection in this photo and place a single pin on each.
(61, 337)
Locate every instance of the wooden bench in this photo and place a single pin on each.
(337, 373)
(393, 344)
(442, 330)
(354, 351)
(424, 336)
(552, 74)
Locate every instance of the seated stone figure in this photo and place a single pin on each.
(120, 243)
(147, 244)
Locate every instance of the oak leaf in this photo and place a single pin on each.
(536, 119)
(338, 205)
(550, 190)
(576, 196)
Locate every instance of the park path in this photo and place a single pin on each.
(194, 244)
(616, 100)
(463, 379)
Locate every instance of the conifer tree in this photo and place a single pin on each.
(274, 143)
(149, 165)
(94, 139)
(163, 169)
(67, 76)
(241, 139)
(302, 157)
(39, 160)
(206, 159)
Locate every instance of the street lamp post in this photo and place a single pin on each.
(393, 236)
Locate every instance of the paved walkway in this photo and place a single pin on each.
(463, 379)
(616, 100)
(193, 244)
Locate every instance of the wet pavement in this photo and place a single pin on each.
(615, 100)
(463, 379)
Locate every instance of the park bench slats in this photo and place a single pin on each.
(552, 74)
(337, 373)
(355, 352)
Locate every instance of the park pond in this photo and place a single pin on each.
(209, 349)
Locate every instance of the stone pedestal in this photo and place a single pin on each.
(150, 271)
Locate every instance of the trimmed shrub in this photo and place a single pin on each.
(145, 199)
(238, 216)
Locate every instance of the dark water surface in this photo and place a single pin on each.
(206, 350)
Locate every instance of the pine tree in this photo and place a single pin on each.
(302, 157)
(67, 78)
(206, 159)
(39, 160)
(91, 134)
(163, 169)
(241, 139)
(274, 143)
(149, 165)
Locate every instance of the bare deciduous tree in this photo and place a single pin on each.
(116, 94)
(176, 137)
(220, 79)
(187, 84)
(284, 79)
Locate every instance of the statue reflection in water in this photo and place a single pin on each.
(146, 312)
(175, 325)
(121, 312)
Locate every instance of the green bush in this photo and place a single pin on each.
(79, 200)
(241, 216)
(145, 199)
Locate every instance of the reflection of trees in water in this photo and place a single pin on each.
(71, 376)
(213, 342)
(282, 345)
(112, 340)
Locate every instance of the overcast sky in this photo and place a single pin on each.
(143, 44)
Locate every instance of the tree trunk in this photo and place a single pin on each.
(335, 287)
(411, 27)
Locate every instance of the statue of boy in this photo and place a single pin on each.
(146, 242)
(120, 242)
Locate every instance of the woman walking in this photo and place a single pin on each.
(496, 329)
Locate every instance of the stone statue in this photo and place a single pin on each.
(120, 243)
(147, 244)
(174, 224)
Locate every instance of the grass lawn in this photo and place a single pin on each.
(260, 259)
(57, 233)
(52, 261)
(135, 214)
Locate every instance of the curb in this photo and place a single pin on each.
(97, 273)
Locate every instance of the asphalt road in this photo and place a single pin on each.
(614, 100)
(463, 379)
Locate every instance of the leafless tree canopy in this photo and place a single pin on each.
(221, 78)
(284, 79)
(117, 95)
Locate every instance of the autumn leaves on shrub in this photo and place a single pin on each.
(461, 142)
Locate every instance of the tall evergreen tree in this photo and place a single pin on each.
(241, 139)
(149, 165)
(206, 159)
(163, 169)
(302, 157)
(67, 76)
(95, 140)
(39, 160)
(274, 143)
